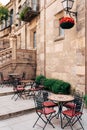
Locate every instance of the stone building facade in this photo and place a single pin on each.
(60, 54)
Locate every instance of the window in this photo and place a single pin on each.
(34, 39)
(11, 18)
(8, 22)
(58, 31)
(61, 31)
(19, 9)
(34, 5)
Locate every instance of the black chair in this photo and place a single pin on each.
(19, 91)
(74, 114)
(42, 112)
(47, 102)
(4, 81)
(34, 88)
(71, 104)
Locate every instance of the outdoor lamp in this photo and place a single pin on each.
(67, 5)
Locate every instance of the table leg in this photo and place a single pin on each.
(59, 114)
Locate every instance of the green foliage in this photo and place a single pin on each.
(24, 12)
(48, 83)
(61, 87)
(85, 99)
(54, 85)
(40, 79)
(4, 13)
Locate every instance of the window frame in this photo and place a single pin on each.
(57, 27)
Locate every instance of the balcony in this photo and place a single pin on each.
(29, 11)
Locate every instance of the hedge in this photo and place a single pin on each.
(54, 85)
(40, 79)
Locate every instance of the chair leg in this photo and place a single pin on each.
(46, 122)
(49, 121)
(78, 119)
(13, 95)
(69, 122)
(72, 121)
(37, 119)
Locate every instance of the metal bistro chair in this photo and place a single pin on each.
(47, 102)
(4, 81)
(19, 90)
(34, 88)
(74, 114)
(42, 112)
(71, 104)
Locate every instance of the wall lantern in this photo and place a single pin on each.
(67, 5)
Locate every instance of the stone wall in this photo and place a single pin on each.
(64, 58)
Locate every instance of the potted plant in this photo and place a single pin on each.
(4, 13)
(67, 22)
(24, 11)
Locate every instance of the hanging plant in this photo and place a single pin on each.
(24, 11)
(4, 13)
(67, 22)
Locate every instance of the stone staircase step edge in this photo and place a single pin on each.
(17, 113)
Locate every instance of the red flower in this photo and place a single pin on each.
(67, 22)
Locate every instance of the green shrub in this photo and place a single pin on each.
(40, 79)
(48, 83)
(61, 87)
(54, 85)
(85, 99)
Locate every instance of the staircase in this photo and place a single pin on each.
(10, 108)
(19, 60)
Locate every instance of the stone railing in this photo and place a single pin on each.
(5, 56)
(22, 56)
(18, 60)
(26, 56)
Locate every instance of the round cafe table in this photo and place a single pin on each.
(60, 99)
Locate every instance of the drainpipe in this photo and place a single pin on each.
(44, 38)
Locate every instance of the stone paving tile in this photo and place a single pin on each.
(8, 105)
(6, 89)
(26, 122)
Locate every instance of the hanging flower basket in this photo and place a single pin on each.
(67, 22)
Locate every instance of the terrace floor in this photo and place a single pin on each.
(23, 114)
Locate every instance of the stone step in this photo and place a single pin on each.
(10, 91)
(10, 108)
(6, 93)
(15, 114)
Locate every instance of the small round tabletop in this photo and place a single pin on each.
(61, 97)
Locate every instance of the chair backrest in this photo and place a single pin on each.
(79, 104)
(23, 75)
(1, 76)
(38, 102)
(35, 85)
(45, 96)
